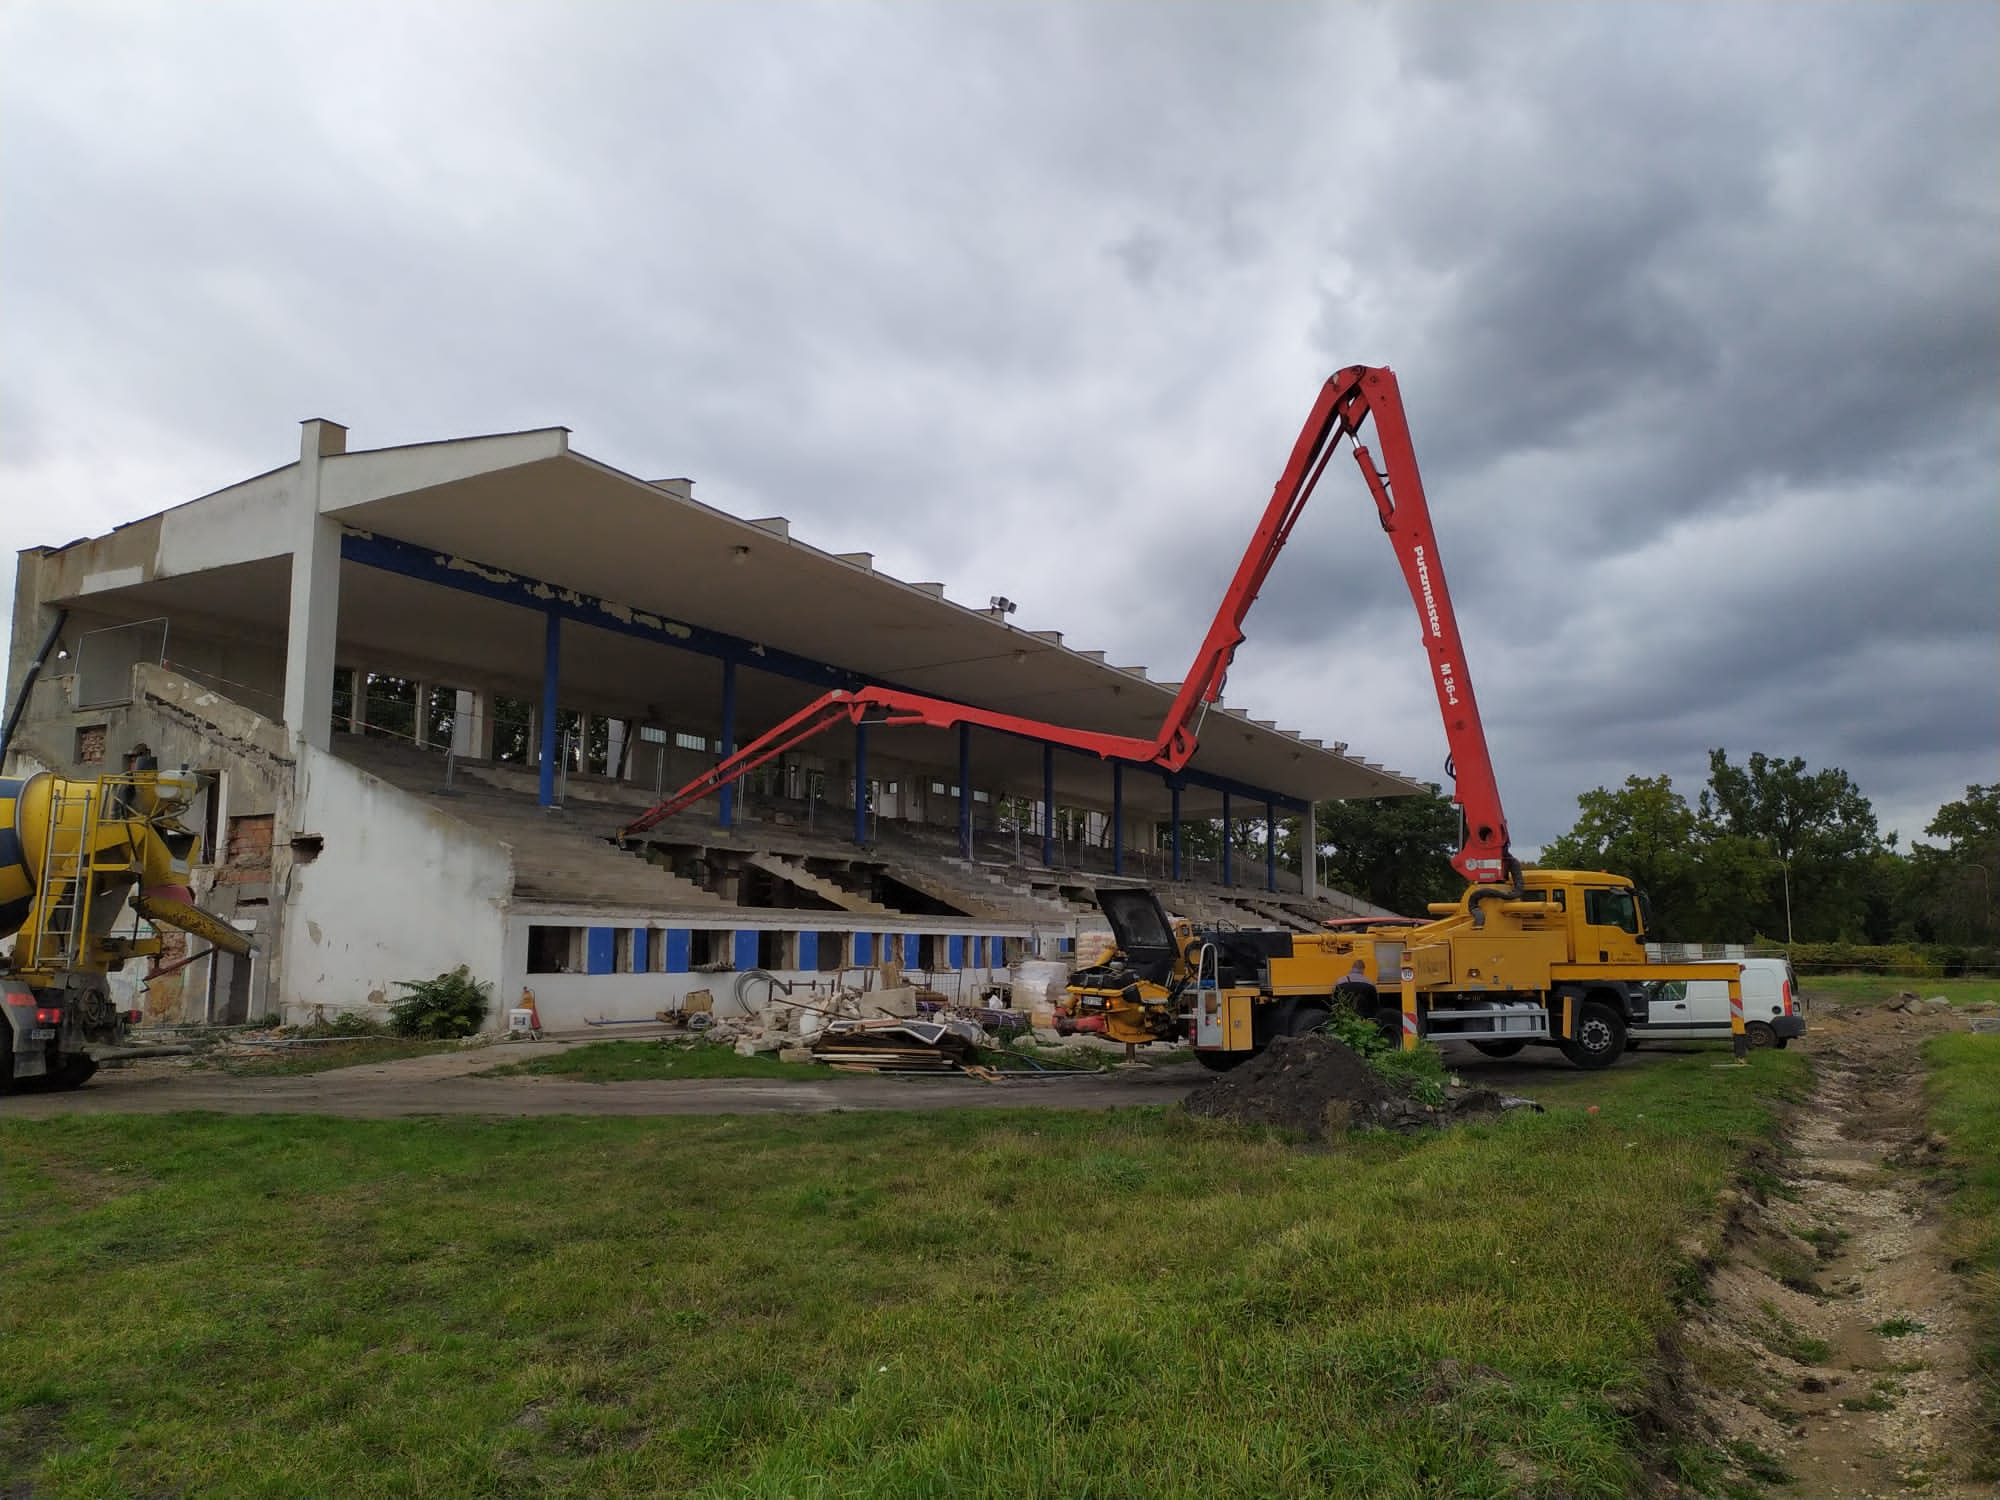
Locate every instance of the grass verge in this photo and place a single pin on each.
(962, 1303)
(1869, 989)
(1964, 1092)
(627, 1062)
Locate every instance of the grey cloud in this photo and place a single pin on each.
(1032, 298)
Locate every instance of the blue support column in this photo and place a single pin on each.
(1049, 805)
(1228, 852)
(1270, 846)
(1177, 830)
(860, 783)
(965, 791)
(551, 669)
(1118, 817)
(728, 738)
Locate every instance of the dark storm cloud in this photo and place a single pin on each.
(1694, 307)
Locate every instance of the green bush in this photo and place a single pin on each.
(1914, 960)
(450, 1005)
(1422, 1068)
(1362, 1036)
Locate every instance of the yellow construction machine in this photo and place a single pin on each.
(1523, 956)
(1558, 959)
(78, 859)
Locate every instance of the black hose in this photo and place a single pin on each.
(28, 681)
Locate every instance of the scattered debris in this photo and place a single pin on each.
(898, 1046)
(1316, 1085)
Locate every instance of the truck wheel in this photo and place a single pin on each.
(1220, 1062)
(1599, 1039)
(1307, 1019)
(1760, 1034)
(73, 1072)
(1498, 1049)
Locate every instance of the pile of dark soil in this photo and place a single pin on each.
(1316, 1085)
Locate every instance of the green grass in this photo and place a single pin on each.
(625, 1062)
(1964, 1093)
(1900, 1326)
(323, 1056)
(963, 1303)
(1868, 989)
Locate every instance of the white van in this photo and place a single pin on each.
(1698, 1009)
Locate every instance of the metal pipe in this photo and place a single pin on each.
(28, 681)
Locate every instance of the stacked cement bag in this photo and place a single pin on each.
(1037, 984)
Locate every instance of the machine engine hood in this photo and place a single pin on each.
(1140, 924)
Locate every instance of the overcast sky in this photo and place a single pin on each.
(1696, 309)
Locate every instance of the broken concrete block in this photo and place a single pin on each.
(898, 1000)
(751, 1046)
(795, 1054)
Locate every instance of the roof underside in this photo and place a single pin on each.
(572, 522)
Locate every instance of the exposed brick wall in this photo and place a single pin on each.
(246, 855)
(90, 744)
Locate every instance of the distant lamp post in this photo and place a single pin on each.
(1785, 873)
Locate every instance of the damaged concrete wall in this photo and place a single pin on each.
(247, 770)
(392, 889)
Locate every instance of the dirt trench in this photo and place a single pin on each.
(1834, 1355)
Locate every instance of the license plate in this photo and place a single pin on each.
(42, 1034)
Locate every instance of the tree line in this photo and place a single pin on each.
(1769, 848)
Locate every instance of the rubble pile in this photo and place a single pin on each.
(1317, 1085)
(1912, 1004)
(898, 1029)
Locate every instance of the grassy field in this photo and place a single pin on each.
(1964, 1089)
(967, 1303)
(1862, 989)
(322, 1056)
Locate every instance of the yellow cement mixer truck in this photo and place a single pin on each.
(82, 863)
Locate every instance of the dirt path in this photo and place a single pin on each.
(448, 1084)
(1837, 1342)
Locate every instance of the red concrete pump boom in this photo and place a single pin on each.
(1345, 402)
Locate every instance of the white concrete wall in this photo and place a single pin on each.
(398, 891)
(570, 1002)
(245, 522)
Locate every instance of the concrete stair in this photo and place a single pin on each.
(780, 868)
(1023, 899)
(560, 856)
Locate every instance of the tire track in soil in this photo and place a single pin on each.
(1791, 1353)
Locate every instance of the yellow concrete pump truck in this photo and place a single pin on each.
(71, 854)
(1560, 959)
(1523, 956)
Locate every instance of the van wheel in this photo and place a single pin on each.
(1599, 1039)
(1498, 1049)
(1761, 1034)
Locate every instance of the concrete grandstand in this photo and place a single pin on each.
(425, 684)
